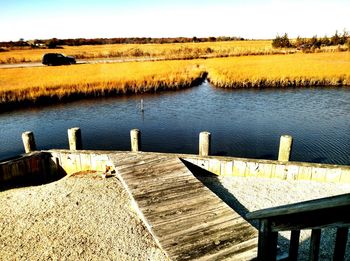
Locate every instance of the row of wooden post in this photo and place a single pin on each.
(75, 142)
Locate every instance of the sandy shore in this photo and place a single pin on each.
(82, 217)
(90, 218)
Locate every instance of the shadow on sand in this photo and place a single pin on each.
(212, 182)
(44, 176)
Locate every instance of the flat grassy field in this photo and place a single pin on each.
(156, 51)
(37, 84)
(161, 51)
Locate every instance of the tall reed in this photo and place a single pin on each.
(299, 70)
(40, 84)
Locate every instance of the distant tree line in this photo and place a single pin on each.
(314, 42)
(54, 42)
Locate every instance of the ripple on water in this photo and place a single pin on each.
(243, 123)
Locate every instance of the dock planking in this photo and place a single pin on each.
(187, 220)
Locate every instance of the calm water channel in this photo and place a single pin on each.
(243, 123)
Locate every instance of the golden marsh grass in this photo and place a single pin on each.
(37, 84)
(298, 70)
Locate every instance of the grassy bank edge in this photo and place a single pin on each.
(23, 100)
(298, 82)
(13, 100)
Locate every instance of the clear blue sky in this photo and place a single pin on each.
(39, 19)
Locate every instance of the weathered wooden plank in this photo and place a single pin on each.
(243, 251)
(209, 241)
(157, 181)
(162, 183)
(179, 207)
(126, 165)
(153, 163)
(149, 170)
(194, 224)
(136, 174)
(189, 217)
(173, 210)
(162, 196)
(208, 248)
(139, 162)
(166, 199)
(173, 187)
(216, 236)
(122, 160)
(173, 171)
(187, 220)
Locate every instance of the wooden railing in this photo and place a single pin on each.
(314, 214)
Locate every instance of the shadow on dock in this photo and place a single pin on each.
(212, 182)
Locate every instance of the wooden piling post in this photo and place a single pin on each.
(74, 139)
(204, 143)
(285, 148)
(135, 137)
(28, 141)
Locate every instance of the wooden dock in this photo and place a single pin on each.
(187, 220)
